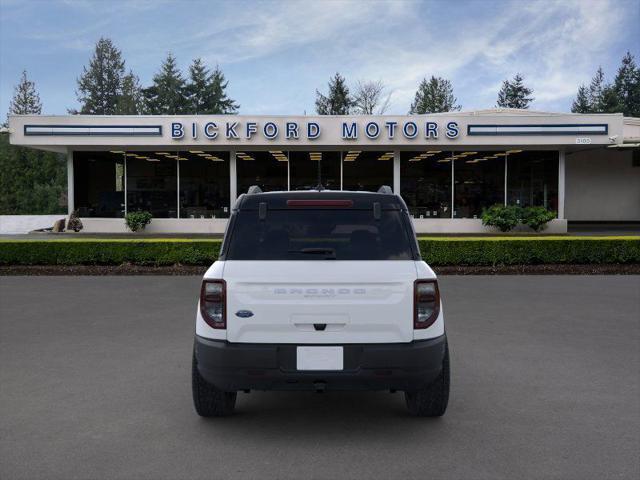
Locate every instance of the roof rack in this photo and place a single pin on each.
(385, 189)
(254, 189)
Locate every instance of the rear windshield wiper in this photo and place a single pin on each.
(329, 252)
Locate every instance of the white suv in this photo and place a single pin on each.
(320, 290)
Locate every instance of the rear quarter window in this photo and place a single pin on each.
(320, 234)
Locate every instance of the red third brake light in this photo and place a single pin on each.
(426, 303)
(213, 303)
(320, 203)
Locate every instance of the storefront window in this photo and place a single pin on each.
(479, 182)
(268, 170)
(152, 183)
(309, 169)
(532, 178)
(425, 183)
(204, 184)
(99, 184)
(362, 170)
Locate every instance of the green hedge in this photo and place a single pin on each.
(530, 251)
(435, 251)
(109, 252)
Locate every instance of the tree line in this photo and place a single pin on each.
(106, 88)
(435, 95)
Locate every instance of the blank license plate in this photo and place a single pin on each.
(320, 358)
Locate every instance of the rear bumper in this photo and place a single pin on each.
(254, 366)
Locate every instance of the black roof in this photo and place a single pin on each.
(361, 200)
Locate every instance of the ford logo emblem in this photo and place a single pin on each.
(244, 313)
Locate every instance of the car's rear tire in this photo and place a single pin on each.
(208, 400)
(432, 400)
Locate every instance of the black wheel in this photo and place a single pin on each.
(432, 400)
(208, 400)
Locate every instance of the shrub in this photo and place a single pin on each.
(435, 251)
(137, 220)
(109, 252)
(530, 251)
(74, 223)
(505, 218)
(537, 217)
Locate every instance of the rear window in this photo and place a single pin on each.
(324, 234)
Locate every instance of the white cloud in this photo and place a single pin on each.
(556, 45)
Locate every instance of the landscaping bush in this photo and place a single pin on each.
(504, 218)
(109, 252)
(137, 220)
(435, 251)
(530, 251)
(537, 217)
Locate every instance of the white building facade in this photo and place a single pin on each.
(188, 170)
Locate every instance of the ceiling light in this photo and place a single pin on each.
(152, 160)
(444, 160)
(434, 151)
(116, 151)
(514, 151)
(196, 151)
(162, 153)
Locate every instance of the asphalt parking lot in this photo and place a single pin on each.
(95, 383)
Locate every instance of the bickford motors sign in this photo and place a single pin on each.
(294, 130)
(233, 131)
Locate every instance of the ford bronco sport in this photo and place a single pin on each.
(320, 290)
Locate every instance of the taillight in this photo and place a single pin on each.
(426, 303)
(213, 303)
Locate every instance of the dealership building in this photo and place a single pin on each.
(188, 170)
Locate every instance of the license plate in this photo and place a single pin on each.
(320, 358)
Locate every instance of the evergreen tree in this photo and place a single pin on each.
(196, 89)
(100, 85)
(596, 91)
(25, 99)
(219, 102)
(627, 86)
(433, 96)
(338, 101)
(167, 95)
(31, 181)
(610, 101)
(514, 94)
(206, 91)
(130, 101)
(581, 104)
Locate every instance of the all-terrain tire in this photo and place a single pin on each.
(432, 400)
(208, 400)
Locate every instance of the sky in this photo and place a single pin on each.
(275, 54)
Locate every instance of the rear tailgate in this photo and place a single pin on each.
(319, 302)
